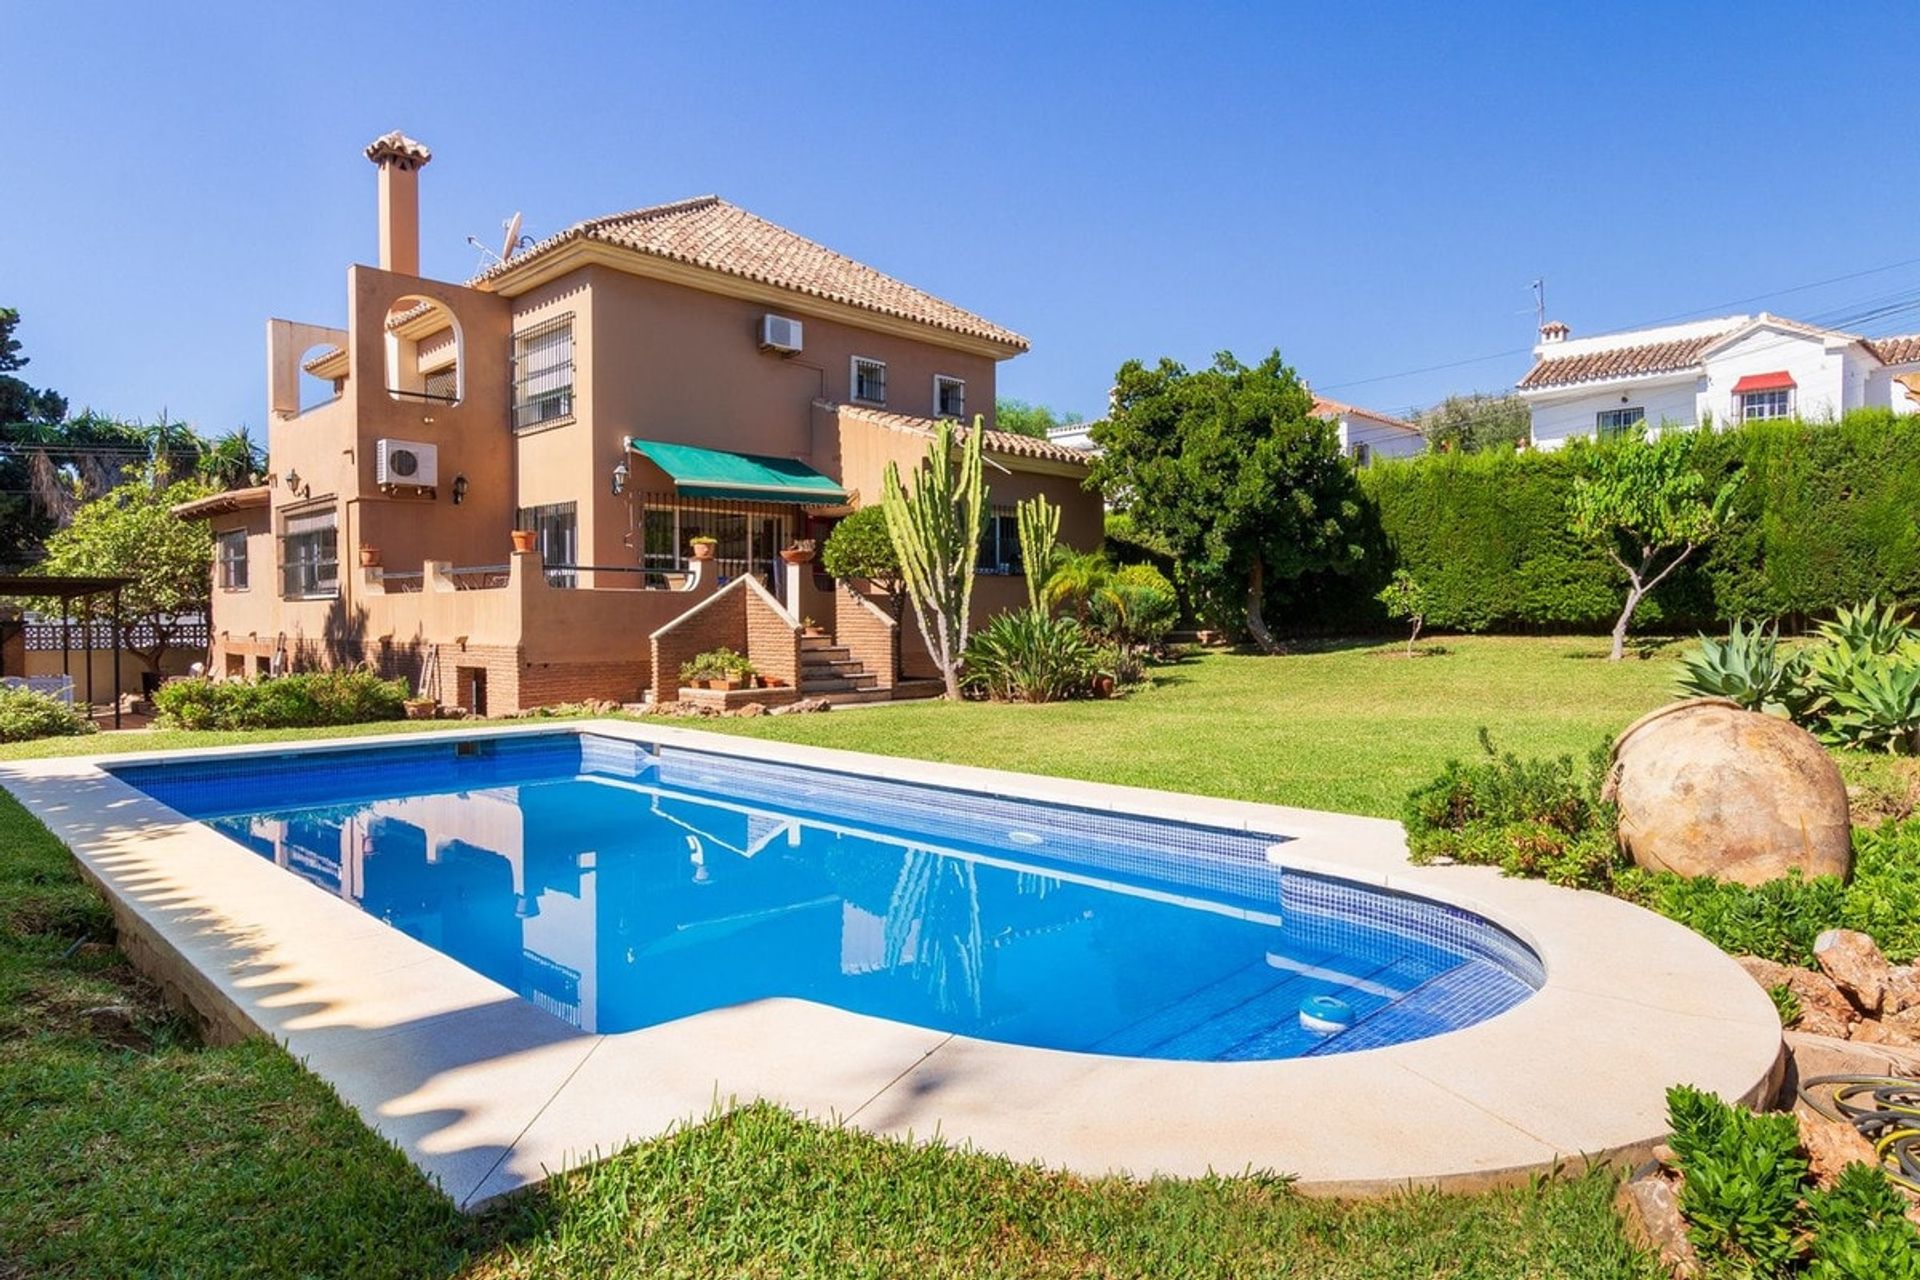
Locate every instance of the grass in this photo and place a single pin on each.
(1351, 729)
(126, 1148)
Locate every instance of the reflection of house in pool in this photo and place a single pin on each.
(698, 904)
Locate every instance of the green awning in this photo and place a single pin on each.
(746, 477)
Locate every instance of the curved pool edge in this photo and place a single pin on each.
(487, 1094)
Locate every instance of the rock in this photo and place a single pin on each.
(1830, 1145)
(1706, 788)
(1649, 1206)
(1824, 1008)
(1873, 1031)
(1856, 966)
(1902, 990)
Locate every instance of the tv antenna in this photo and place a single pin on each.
(510, 244)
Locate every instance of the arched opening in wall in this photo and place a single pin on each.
(323, 374)
(423, 346)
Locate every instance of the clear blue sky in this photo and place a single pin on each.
(1370, 188)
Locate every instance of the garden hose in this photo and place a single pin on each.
(1885, 1110)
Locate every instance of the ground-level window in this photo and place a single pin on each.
(543, 373)
(230, 549)
(556, 531)
(1755, 405)
(949, 397)
(743, 542)
(1618, 422)
(1000, 542)
(869, 380)
(309, 556)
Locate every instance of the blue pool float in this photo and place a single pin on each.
(1325, 1015)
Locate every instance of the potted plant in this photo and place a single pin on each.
(522, 541)
(703, 547)
(369, 556)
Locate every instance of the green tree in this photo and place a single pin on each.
(1472, 423)
(1649, 507)
(936, 534)
(1026, 419)
(1229, 467)
(1406, 599)
(859, 547)
(132, 532)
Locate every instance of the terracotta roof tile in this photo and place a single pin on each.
(711, 233)
(1005, 443)
(1619, 362)
(1325, 408)
(1902, 349)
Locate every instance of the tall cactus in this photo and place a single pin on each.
(1039, 541)
(936, 534)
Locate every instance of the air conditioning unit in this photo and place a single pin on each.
(779, 333)
(406, 462)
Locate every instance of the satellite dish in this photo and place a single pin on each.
(513, 238)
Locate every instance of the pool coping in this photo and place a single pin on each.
(488, 1094)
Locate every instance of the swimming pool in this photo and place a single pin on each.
(621, 884)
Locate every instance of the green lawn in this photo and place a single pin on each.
(135, 1151)
(1332, 727)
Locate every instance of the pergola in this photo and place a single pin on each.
(66, 591)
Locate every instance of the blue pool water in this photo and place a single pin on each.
(620, 886)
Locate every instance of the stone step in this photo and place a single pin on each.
(810, 685)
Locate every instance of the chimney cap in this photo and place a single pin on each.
(397, 146)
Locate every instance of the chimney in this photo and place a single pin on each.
(400, 160)
(1553, 331)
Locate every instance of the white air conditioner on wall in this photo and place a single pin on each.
(779, 333)
(406, 462)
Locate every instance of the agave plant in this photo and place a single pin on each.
(1748, 667)
(1871, 628)
(1868, 699)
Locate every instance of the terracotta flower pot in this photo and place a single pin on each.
(522, 541)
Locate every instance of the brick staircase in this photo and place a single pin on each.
(828, 671)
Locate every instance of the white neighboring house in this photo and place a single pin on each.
(1733, 369)
(1364, 434)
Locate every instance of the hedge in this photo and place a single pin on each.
(1826, 517)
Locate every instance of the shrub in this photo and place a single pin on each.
(1744, 1176)
(716, 664)
(26, 714)
(1135, 608)
(1528, 817)
(1025, 656)
(304, 700)
(1750, 1212)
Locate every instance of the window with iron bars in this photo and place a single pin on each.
(543, 373)
(309, 556)
(999, 542)
(869, 380)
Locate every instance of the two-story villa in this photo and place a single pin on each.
(666, 400)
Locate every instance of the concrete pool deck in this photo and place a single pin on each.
(487, 1093)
